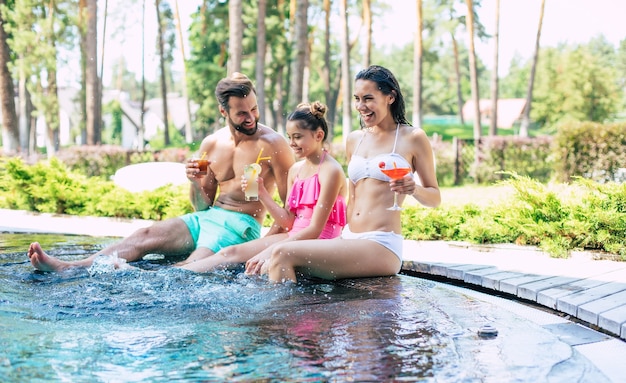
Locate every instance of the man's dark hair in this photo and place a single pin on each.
(237, 85)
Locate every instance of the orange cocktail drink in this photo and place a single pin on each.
(394, 173)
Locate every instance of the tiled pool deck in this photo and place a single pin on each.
(578, 289)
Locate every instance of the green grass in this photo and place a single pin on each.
(466, 132)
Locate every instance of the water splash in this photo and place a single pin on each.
(108, 264)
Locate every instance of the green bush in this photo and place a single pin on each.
(584, 215)
(591, 150)
(51, 187)
(530, 157)
(104, 160)
(591, 216)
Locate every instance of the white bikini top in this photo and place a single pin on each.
(361, 167)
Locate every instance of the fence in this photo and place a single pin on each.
(458, 162)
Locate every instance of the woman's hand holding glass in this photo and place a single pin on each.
(397, 175)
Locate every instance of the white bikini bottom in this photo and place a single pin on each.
(389, 239)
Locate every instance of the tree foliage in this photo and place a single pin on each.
(584, 82)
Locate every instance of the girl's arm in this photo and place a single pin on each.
(281, 215)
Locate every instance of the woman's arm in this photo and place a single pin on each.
(428, 193)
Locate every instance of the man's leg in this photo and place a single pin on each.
(169, 237)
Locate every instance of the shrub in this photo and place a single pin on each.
(530, 157)
(557, 218)
(591, 150)
(50, 187)
(104, 160)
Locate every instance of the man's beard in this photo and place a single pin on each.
(243, 130)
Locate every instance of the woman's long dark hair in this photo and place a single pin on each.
(387, 84)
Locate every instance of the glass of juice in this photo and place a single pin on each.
(251, 172)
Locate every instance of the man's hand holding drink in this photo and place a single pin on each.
(198, 167)
(250, 174)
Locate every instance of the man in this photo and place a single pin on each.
(220, 219)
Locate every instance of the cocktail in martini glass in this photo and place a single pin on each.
(395, 174)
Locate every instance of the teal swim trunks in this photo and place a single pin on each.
(217, 228)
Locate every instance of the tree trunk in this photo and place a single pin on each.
(142, 128)
(99, 103)
(82, 32)
(474, 80)
(181, 41)
(326, 71)
(345, 72)
(300, 46)
(25, 111)
(10, 132)
(166, 124)
(52, 112)
(473, 69)
(306, 73)
(279, 116)
(457, 72)
(235, 36)
(288, 67)
(417, 67)
(92, 82)
(523, 131)
(493, 127)
(367, 21)
(261, 50)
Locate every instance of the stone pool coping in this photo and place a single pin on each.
(578, 289)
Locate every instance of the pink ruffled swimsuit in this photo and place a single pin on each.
(302, 201)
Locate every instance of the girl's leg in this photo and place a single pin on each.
(229, 255)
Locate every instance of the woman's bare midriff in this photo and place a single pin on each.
(368, 212)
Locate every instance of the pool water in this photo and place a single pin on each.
(156, 323)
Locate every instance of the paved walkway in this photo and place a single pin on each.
(579, 288)
(593, 291)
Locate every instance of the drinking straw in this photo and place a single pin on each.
(259, 158)
(203, 154)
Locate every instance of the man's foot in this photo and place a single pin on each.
(42, 261)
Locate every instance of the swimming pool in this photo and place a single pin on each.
(159, 324)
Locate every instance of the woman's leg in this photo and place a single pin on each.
(332, 259)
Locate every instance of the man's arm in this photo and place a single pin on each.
(202, 191)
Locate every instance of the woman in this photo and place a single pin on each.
(371, 244)
(316, 201)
